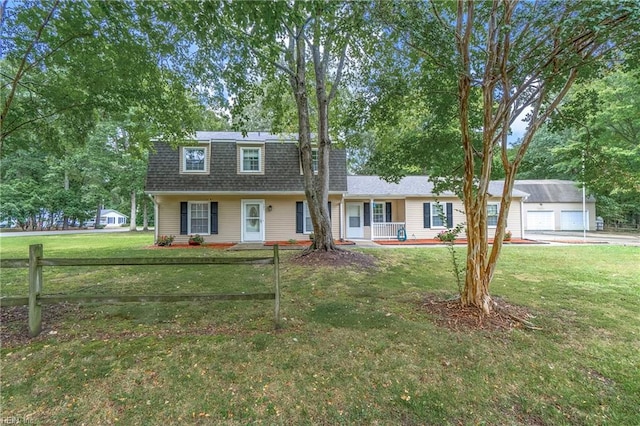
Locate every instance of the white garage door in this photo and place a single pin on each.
(571, 220)
(539, 220)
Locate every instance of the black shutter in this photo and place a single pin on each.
(449, 215)
(184, 216)
(367, 214)
(388, 211)
(214, 217)
(329, 207)
(299, 217)
(426, 214)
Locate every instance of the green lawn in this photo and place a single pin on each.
(355, 347)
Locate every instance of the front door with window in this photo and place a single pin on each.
(355, 220)
(252, 220)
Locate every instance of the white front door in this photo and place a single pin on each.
(252, 220)
(355, 220)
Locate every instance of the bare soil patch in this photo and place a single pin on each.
(452, 315)
(14, 322)
(337, 258)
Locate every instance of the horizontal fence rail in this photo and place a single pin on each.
(36, 299)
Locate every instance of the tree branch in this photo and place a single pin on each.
(22, 70)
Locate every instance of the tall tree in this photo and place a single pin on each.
(494, 61)
(299, 47)
(66, 63)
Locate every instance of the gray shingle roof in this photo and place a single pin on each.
(282, 167)
(551, 191)
(363, 186)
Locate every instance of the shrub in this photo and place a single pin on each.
(507, 236)
(165, 240)
(196, 239)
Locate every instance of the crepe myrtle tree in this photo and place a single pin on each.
(487, 64)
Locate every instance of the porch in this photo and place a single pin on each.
(387, 230)
(374, 219)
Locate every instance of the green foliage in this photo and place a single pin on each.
(196, 239)
(67, 63)
(597, 129)
(165, 240)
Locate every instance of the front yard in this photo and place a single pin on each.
(357, 344)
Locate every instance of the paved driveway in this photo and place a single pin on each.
(575, 237)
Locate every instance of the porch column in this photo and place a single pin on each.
(370, 218)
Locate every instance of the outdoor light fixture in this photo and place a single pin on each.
(270, 207)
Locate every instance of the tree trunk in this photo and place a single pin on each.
(96, 225)
(316, 188)
(133, 219)
(145, 216)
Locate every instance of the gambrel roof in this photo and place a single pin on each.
(282, 172)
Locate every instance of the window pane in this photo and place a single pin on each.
(199, 218)
(354, 221)
(378, 213)
(250, 160)
(194, 159)
(308, 224)
(314, 160)
(492, 215)
(437, 215)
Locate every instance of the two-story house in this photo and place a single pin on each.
(233, 188)
(230, 188)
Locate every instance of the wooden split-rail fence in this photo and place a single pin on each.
(37, 299)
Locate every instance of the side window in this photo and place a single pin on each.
(438, 217)
(492, 215)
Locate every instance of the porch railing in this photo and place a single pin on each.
(386, 231)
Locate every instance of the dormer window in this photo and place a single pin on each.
(195, 159)
(314, 161)
(250, 159)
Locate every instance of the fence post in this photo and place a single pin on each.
(276, 271)
(35, 288)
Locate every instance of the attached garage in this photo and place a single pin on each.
(540, 220)
(571, 220)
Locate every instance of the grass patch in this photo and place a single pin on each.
(355, 346)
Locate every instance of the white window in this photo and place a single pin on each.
(250, 160)
(199, 218)
(194, 159)
(307, 223)
(492, 215)
(314, 160)
(378, 213)
(438, 215)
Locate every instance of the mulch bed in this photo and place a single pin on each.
(336, 259)
(304, 243)
(452, 315)
(438, 242)
(217, 246)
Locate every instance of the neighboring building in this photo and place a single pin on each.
(556, 205)
(109, 217)
(233, 188)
